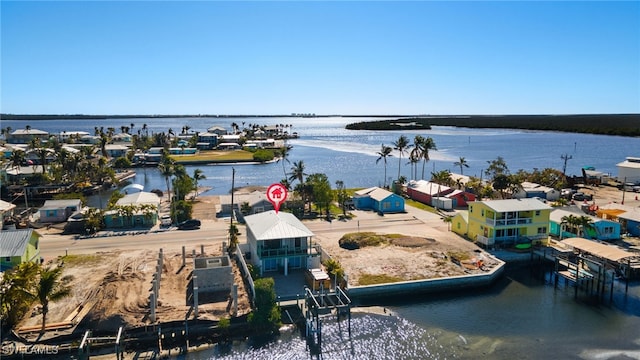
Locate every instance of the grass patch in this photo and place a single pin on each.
(421, 206)
(83, 259)
(215, 156)
(352, 241)
(374, 279)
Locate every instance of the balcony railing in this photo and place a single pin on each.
(314, 250)
(509, 222)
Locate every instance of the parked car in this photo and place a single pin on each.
(190, 224)
(165, 220)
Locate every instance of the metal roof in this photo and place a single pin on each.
(608, 252)
(375, 193)
(270, 225)
(14, 242)
(6, 206)
(527, 204)
(139, 198)
(60, 204)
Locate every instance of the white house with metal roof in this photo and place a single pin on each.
(629, 170)
(280, 242)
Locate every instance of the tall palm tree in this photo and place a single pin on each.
(402, 144)
(17, 158)
(462, 162)
(51, 287)
(297, 172)
(197, 176)
(284, 154)
(427, 144)
(40, 149)
(416, 153)
(383, 154)
(167, 169)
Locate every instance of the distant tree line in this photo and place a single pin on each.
(602, 124)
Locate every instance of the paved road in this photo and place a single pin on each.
(215, 232)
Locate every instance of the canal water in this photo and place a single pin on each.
(522, 316)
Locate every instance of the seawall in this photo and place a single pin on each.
(369, 292)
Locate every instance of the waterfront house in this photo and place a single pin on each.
(630, 222)
(139, 209)
(215, 274)
(71, 136)
(17, 247)
(507, 222)
(116, 150)
(424, 191)
(460, 198)
(256, 202)
(280, 242)
(6, 212)
(629, 170)
(600, 229)
(532, 190)
(24, 136)
(378, 199)
(208, 138)
(218, 130)
(460, 223)
(56, 211)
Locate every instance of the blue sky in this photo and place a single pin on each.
(361, 57)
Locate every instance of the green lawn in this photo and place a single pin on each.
(215, 156)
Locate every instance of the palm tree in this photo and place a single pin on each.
(569, 221)
(585, 223)
(462, 162)
(51, 287)
(402, 144)
(17, 158)
(284, 154)
(448, 220)
(427, 144)
(384, 153)
(167, 170)
(297, 172)
(197, 176)
(37, 147)
(16, 288)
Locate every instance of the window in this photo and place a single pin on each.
(537, 212)
(471, 209)
(458, 226)
(7, 259)
(542, 230)
(482, 212)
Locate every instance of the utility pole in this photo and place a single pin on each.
(565, 157)
(233, 179)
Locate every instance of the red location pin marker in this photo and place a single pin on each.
(276, 194)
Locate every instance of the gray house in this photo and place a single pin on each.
(54, 211)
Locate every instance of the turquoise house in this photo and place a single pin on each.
(379, 200)
(601, 229)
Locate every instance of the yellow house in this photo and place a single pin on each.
(508, 222)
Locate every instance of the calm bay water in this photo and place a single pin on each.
(519, 317)
(327, 147)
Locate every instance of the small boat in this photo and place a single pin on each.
(523, 246)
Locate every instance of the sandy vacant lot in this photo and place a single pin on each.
(113, 288)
